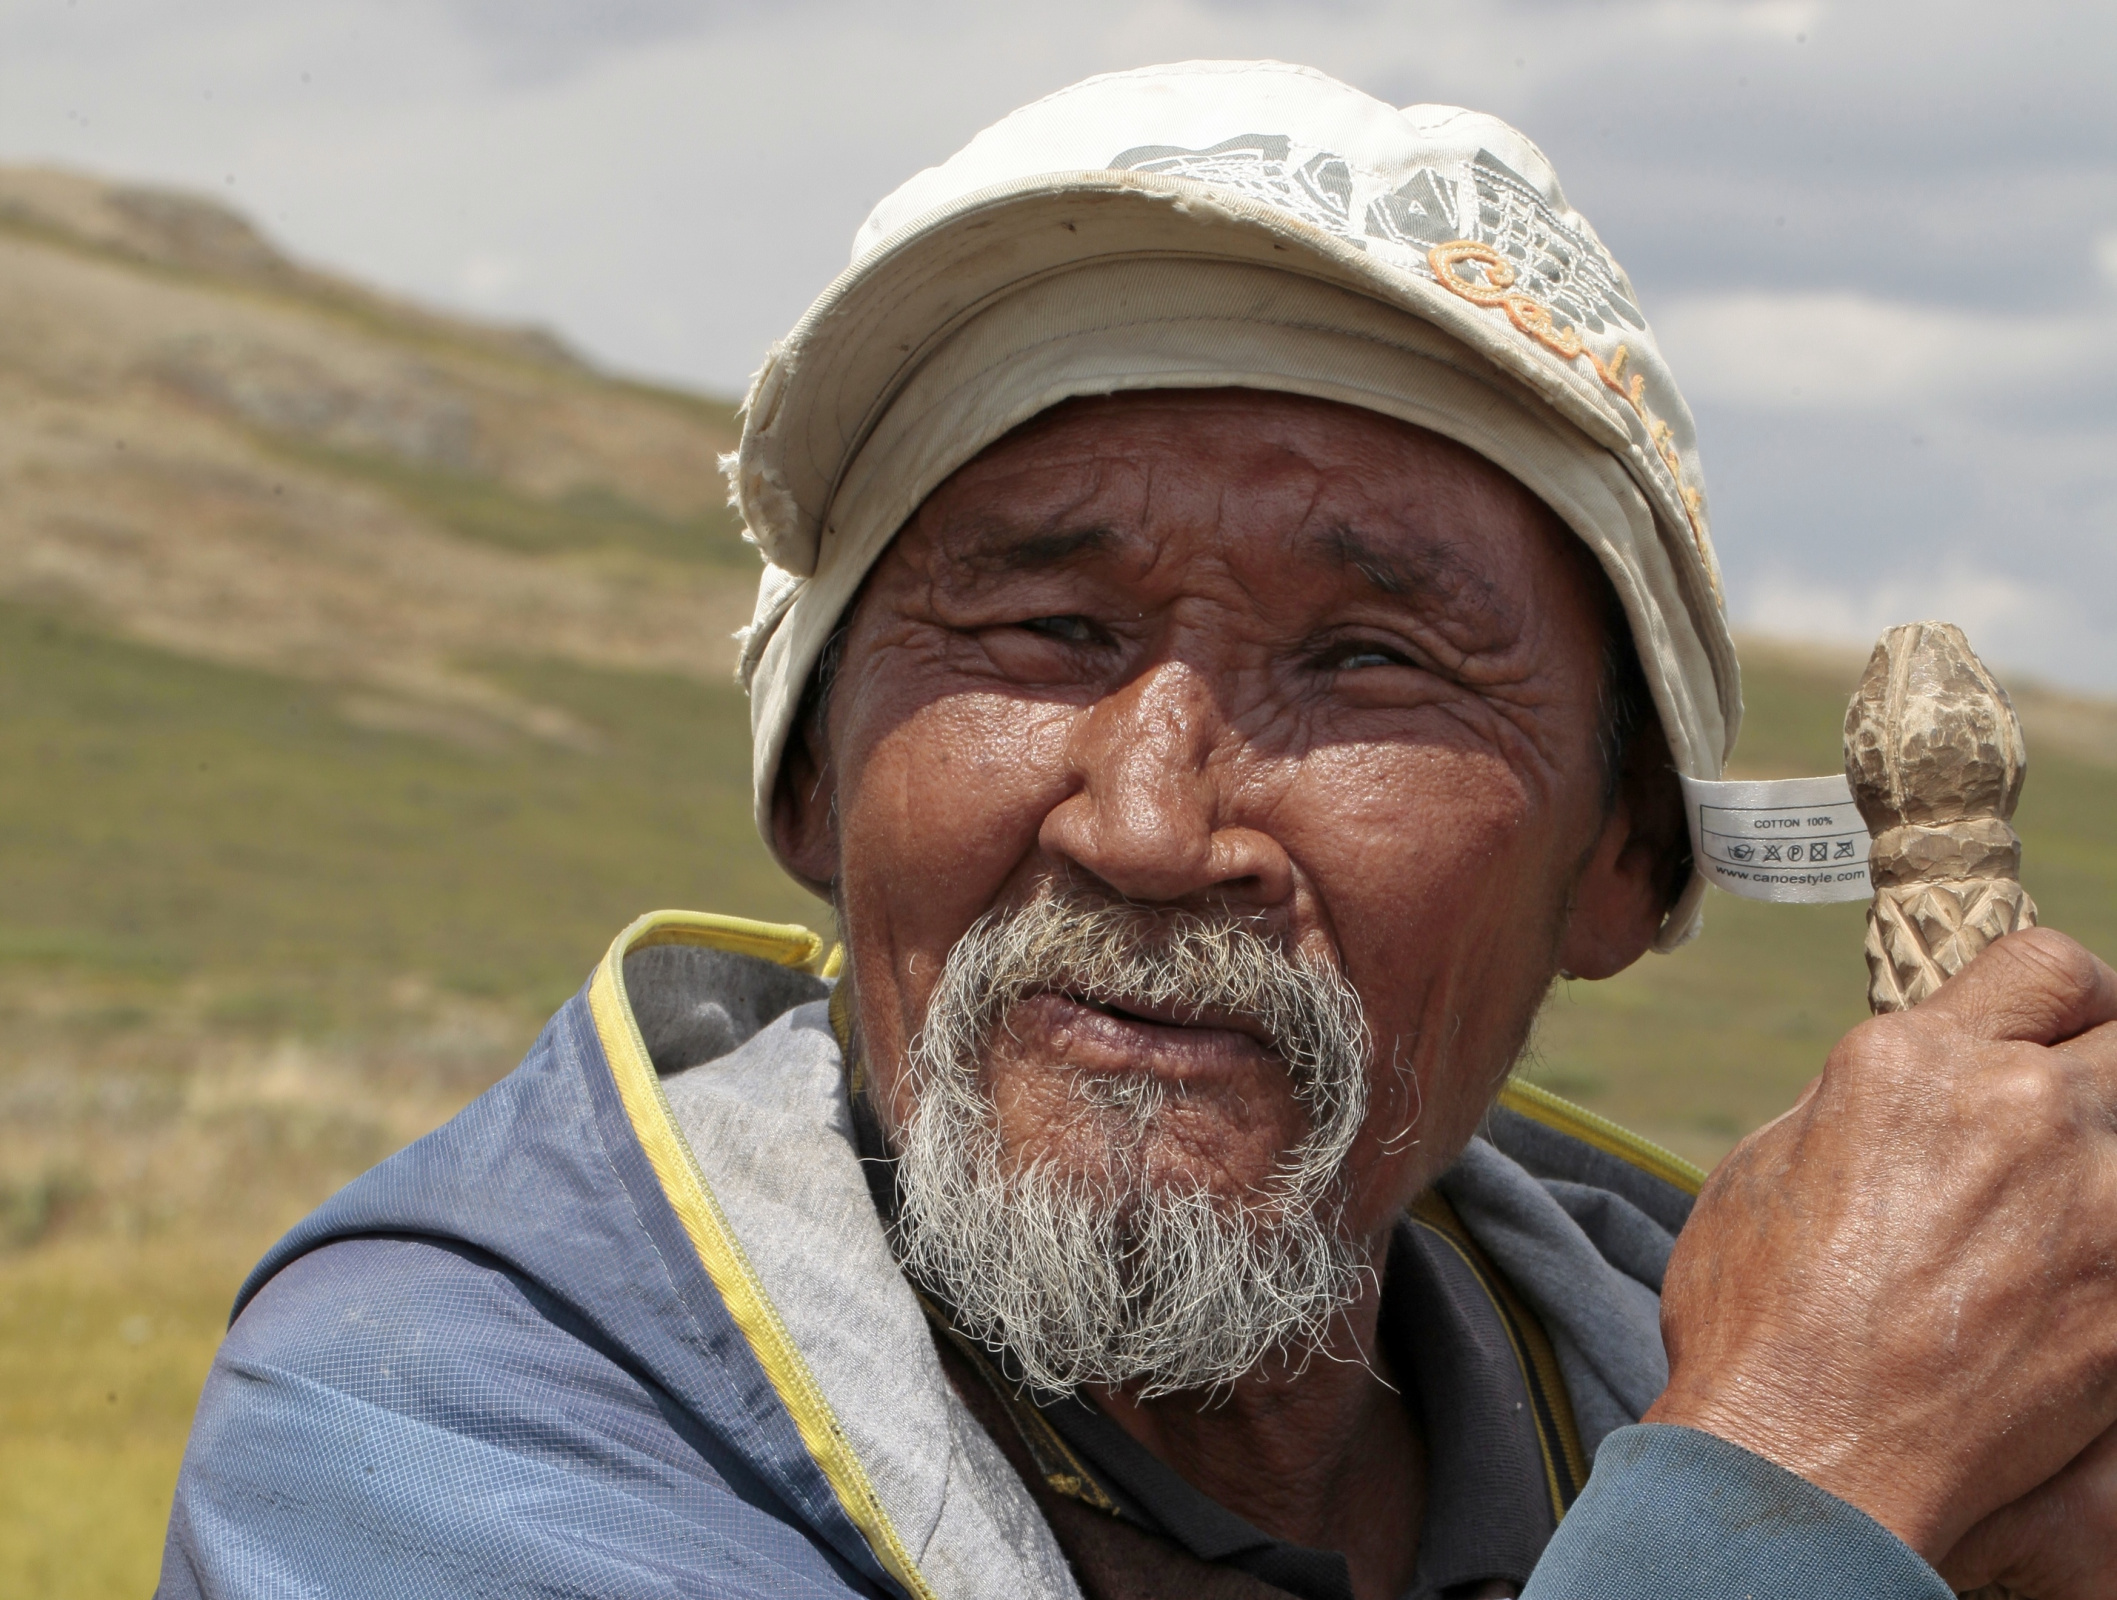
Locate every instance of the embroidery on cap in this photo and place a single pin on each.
(1515, 231)
(1319, 191)
(1535, 319)
(1490, 217)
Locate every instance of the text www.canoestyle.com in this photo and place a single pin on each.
(1857, 875)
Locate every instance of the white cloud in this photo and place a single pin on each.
(686, 173)
(1981, 603)
(1792, 20)
(1846, 350)
(2036, 628)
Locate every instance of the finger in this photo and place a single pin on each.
(2059, 1540)
(2095, 1050)
(2036, 986)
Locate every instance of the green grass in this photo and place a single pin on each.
(405, 324)
(102, 1350)
(209, 873)
(168, 818)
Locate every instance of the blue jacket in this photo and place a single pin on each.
(615, 1333)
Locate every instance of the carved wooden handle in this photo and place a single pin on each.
(1935, 756)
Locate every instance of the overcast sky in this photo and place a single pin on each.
(1878, 239)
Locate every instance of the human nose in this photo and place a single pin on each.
(1149, 814)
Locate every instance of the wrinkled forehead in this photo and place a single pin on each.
(1260, 438)
(1165, 489)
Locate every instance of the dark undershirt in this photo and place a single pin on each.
(1490, 1494)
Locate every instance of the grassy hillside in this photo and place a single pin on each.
(171, 823)
(362, 670)
(215, 449)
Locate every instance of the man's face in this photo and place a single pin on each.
(1236, 653)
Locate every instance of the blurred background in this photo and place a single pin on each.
(366, 587)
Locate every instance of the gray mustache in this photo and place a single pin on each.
(1112, 952)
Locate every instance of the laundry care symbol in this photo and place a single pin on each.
(1742, 850)
(1771, 852)
(1843, 851)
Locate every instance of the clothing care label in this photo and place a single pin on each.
(1792, 839)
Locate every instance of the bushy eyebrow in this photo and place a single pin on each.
(1430, 575)
(1431, 569)
(1000, 548)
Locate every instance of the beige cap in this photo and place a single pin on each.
(1217, 224)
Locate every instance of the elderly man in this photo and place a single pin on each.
(1239, 600)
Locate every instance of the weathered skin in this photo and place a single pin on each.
(1236, 648)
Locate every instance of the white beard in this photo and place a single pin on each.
(1117, 1277)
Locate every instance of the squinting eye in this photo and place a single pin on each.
(1067, 630)
(1365, 658)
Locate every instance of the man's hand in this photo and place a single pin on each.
(2058, 1542)
(1905, 1289)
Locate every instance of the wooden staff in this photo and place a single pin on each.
(1934, 753)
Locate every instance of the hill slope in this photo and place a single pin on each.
(207, 446)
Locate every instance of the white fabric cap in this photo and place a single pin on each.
(1219, 224)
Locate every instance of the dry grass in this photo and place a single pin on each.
(250, 947)
(102, 1346)
(151, 1152)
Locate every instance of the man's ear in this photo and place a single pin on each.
(1636, 869)
(804, 809)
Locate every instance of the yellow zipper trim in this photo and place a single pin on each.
(1532, 1353)
(786, 943)
(1592, 1128)
(675, 1165)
